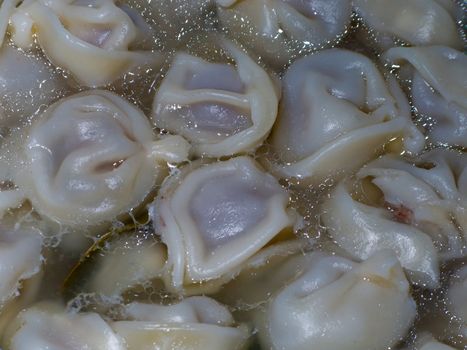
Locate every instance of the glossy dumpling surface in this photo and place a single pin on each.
(197, 323)
(216, 216)
(336, 110)
(20, 259)
(221, 109)
(337, 304)
(91, 157)
(49, 326)
(90, 39)
(438, 88)
(282, 29)
(417, 22)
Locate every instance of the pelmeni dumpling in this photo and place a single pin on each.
(91, 157)
(20, 259)
(417, 22)
(439, 88)
(338, 304)
(280, 30)
(442, 174)
(91, 39)
(413, 216)
(197, 323)
(217, 216)
(336, 111)
(49, 326)
(220, 108)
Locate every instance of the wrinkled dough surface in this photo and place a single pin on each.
(362, 230)
(439, 88)
(336, 110)
(91, 157)
(280, 30)
(217, 216)
(70, 33)
(417, 22)
(435, 192)
(337, 304)
(221, 109)
(414, 217)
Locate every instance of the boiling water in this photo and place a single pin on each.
(64, 249)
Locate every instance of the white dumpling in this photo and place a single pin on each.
(197, 323)
(20, 259)
(439, 182)
(362, 230)
(90, 39)
(89, 158)
(338, 304)
(48, 326)
(26, 85)
(417, 22)
(220, 108)
(439, 88)
(280, 30)
(217, 216)
(414, 217)
(337, 111)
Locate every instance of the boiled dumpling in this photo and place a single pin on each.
(436, 193)
(417, 22)
(339, 304)
(439, 88)
(20, 259)
(91, 39)
(413, 217)
(49, 326)
(220, 108)
(216, 216)
(280, 30)
(91, 157)
(363, 230)
(337, 111)
(196, 323)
